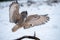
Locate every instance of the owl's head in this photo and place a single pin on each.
(24, 14)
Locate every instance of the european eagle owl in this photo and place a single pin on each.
(22, 19)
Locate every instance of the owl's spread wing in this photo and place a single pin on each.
(14, 12)
(35, 20)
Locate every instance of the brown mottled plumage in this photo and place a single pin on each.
(14, 12)
(22, 20)
(34, 20)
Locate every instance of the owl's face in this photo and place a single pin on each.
(24, 14)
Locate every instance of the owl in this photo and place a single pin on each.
(23, 20)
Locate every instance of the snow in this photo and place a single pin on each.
(48, 31)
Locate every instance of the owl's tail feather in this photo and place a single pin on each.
(16, 27)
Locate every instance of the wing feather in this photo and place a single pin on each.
(14, 12)
(34, 20)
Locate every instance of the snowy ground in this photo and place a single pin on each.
(48, 31)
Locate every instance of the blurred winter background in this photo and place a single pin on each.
(48, 31)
